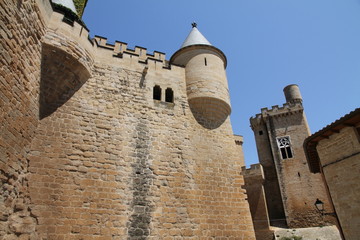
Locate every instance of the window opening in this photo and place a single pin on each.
(169, 95)
(261, 132)
(157, 92)
(205, 61)
(285, 147)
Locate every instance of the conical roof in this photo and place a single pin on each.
(66, 3)
(195, 37)
(195, 44)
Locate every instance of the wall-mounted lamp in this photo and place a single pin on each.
(320, 208)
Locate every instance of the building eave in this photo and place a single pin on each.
(310, 143)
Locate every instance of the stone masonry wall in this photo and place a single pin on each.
(86, 153)
(275, 207)
(254, 180)
(112, 163)
(21, 29)
(300, 188)
(340, 160)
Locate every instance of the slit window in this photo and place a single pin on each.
(205, 61)
(169, 95)
(157, 92)
(284, 145)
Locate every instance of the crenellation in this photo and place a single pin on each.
(254, 170)
(285, 109)
(121, 50)
(159, 55)
(120, 47)
(239, 140)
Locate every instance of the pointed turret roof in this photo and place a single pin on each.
(195, 44)
(195, 37)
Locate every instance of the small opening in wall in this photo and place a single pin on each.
(261, 132)
(169, 95)
(205, 61)
(157, 92)
(299, 174)
(289, 152)
(283, 153)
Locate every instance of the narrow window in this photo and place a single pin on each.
(205, 61)
(285, 147)
(157, 92)
(261, 132)
(169, 95)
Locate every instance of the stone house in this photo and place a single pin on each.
(334, 152)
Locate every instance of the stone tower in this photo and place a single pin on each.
(99, 141)
(290, 188)
(206, 83)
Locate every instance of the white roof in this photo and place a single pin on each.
(66, 3)
(195, 37)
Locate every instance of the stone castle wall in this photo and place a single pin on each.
(254, 180)
(22, 28)
(89, 154)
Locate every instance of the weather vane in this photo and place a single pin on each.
(194, 24)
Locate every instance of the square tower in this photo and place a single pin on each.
(290, 188)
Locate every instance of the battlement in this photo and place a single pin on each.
(120, 49)
(76, 32)
(276, 111)
(239, 140)
(255, 170)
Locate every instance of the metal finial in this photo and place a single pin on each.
(194, 24)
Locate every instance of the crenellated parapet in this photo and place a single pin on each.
(121, 50)
(239, 140)
(286, 109)
(255, 170)
(68, 57)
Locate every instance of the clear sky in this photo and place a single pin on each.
(269, 44)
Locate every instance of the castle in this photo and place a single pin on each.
(99, 141)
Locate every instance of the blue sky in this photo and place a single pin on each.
(269, 44)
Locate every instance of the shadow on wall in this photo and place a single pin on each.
(209, 112)
(61, 76)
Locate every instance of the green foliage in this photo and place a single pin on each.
(80, 6)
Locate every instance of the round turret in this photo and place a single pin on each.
(206, 82)
(292, 93)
